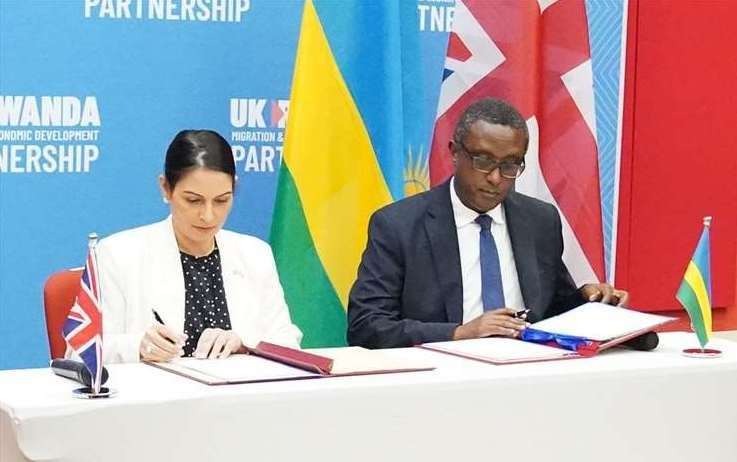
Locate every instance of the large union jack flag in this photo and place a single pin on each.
(535, 55)
(83, 327)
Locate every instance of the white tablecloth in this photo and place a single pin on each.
(619, 406)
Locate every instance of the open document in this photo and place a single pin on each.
(602, 323)
(234, 369)
(269, 363)
(500, 350)
(582, 331)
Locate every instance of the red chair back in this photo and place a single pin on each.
(60, 291)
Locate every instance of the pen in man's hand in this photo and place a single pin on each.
(521, 314)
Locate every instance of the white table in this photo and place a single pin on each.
(619, 406)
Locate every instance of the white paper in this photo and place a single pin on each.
(500, 349)
(600, 322)
(356, 360)
(238, 368)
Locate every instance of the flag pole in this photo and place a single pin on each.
(95, 390)
(92, 239)
(707, 226)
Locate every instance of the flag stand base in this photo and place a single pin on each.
(702, 353)
(88, 393)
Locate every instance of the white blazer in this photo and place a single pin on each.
(140, 270)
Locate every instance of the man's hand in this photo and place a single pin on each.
(494, 322)
(217, 343)
(604, 293)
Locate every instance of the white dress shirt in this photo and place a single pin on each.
(468, 245)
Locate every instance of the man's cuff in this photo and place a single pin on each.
(436, 332)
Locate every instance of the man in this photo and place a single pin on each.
(458, 261)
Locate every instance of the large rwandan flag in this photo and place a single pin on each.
(695, 291)
(343, 153)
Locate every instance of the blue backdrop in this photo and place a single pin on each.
(91, 92)
(150, 78)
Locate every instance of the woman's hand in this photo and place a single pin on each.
(160, 343)
(217, 343)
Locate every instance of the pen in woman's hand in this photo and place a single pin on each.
(161, 321)
(158, 318)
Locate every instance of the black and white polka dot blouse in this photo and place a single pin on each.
(204, 298)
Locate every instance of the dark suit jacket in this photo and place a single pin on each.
(409, 288)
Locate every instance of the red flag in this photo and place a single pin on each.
(538, 59)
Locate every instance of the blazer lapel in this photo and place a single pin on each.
(166, 276)
(443, 237)
(236, 281)
(525, 255)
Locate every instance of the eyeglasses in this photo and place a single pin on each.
(509, 169)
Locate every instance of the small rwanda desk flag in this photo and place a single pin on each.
(695, 291)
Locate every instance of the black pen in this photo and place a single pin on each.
(158, 318)
(521, 314)
(161, 321)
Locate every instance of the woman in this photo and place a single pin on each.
(184, 286)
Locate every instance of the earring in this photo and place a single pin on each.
(165, 200)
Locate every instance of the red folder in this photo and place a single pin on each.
(293, 357)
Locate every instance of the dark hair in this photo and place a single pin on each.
(192, 149)
(493, 111)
